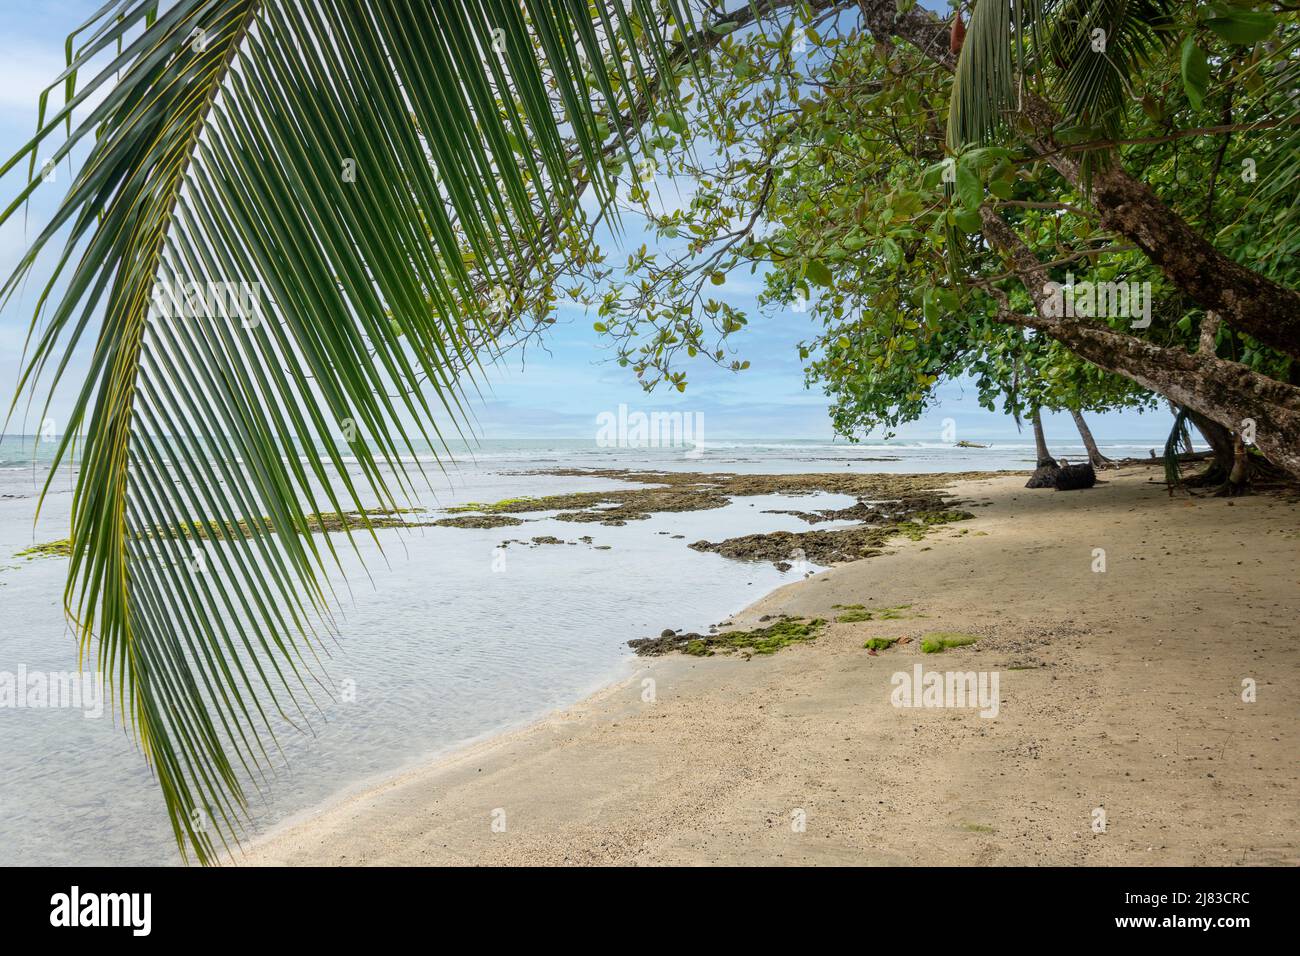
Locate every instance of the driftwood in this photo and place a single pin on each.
(1062, 476)
(1075, 477)
(1044, 475)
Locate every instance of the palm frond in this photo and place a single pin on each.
(265, 250)
(1279, 181)
(984, 82)
(1173, 469)
(1088, 52)
(1098, 49)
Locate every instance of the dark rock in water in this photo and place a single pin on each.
(1075, 477)
(479, 521)
(1044, 476)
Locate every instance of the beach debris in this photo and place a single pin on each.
(1062, 476)
(1075, 477)
(1044, 475)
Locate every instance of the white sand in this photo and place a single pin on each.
(1131, 703)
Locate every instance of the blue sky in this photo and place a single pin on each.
(555, 391)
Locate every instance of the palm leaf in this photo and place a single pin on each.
(1089, 74)
(332, 162)
(983, 84)
(1173, 469)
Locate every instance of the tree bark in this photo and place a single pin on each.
(1240, 474)
(1045, 458)
(1225, 392)
(1095, 456)
(1269, 312)
(1219, 439)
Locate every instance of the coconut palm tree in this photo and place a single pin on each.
(286, 217)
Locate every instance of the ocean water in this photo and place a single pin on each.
(439, 641)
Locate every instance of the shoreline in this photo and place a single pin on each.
(800, 757)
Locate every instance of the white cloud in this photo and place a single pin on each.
(29, 67)
(27, 72)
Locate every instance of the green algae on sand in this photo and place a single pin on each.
(880, 643)
(49, 549)
(936, 642)
(856, 613)
(759, 640)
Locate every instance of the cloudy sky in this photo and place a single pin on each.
(555, 391)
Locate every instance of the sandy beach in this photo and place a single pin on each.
(1120, 703)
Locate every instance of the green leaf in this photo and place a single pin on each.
(969, 188)
(1242, 27)
(893, 253)
(1196, 73)
(930, 305)
(817, 271)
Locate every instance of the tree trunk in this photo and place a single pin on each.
(1095, 456)
(1239, 477)
(1245, 299)
(1040, 442)
(1219, 439)
(1231, 470)
(1225, 392)
(1045, 473)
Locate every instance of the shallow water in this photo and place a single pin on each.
(438, 646)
